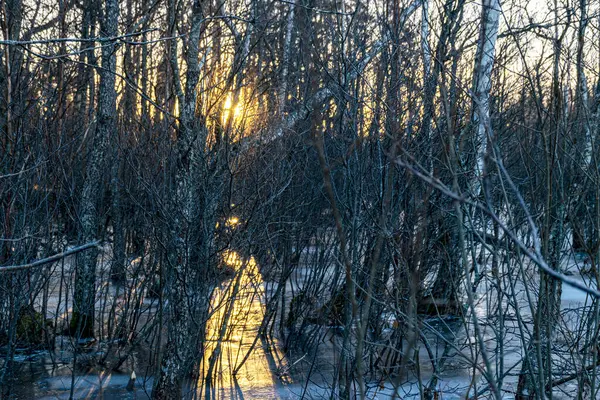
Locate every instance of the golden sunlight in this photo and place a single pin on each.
(232, 222)
(235, 111)
(237, 313)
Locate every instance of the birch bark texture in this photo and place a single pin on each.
(285, 61)
(186, 287)
(484, 64)
(82, 321)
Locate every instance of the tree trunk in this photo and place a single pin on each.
(187, 286)
(451, 21)
(82, 322)
(484, 62)
(285, 61)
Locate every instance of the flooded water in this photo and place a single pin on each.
(239, 360)
(240, 363)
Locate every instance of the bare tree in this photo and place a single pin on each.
(82, 321)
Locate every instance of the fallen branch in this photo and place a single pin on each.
(573, 376)
(43, 261)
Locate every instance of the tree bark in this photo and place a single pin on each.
(187, 288)
(484, 63)
(82, 322)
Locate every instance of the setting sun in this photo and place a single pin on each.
(230, 109)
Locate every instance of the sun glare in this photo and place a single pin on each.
(232, 110)
(232, 221)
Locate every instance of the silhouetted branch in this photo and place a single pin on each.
(44, 261)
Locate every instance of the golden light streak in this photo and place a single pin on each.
(230, 110)
(241, 305)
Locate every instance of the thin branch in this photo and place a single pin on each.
(56, 257)
(535, 256)
(102, 39)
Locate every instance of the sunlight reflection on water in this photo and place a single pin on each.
(238, 309)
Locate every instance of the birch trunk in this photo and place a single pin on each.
(186, 288)
(285, 61)
(582, 87)
(82, 322)
(484, 63)
(581, 233)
